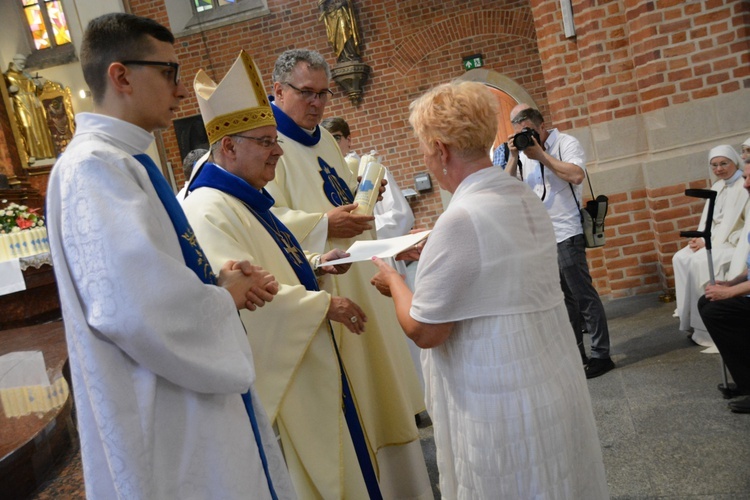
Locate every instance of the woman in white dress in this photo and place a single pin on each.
(510, 406)
(691, 263)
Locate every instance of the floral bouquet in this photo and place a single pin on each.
(15, 218)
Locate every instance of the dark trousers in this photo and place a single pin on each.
(728, 323)
(581, 298)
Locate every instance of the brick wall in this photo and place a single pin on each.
(635, 56)
(673, 212)
(643, 233)
(629, 58)
(411, 45)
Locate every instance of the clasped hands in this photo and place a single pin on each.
(250, 286)
(719, 291)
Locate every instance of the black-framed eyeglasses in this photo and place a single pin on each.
(309, 95)
(265, 142)
(175, 67)
(337, 137)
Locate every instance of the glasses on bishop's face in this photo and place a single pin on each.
(310, 95)
(172, 73)
(266, 141)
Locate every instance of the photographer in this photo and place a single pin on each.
(553, 165)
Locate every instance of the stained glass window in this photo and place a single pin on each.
(205, 5)
(47, 23)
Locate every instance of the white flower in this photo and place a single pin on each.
(40, 222)
(16, 230)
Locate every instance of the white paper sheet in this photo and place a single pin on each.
(23, 368)
(11, 277)
(366, 250)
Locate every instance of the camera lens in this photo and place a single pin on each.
(521, 141)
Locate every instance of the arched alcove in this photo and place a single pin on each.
(507, 92)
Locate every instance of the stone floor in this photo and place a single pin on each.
(666, 432)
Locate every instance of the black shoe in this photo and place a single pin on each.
(740, 405)
(598, 367)
(729, 391)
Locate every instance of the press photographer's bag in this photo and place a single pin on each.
(592, 217)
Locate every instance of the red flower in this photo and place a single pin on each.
(24, 223)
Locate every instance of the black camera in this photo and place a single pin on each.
(523, 139)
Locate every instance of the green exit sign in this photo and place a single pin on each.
(473, 62)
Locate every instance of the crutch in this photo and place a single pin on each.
(725, 387)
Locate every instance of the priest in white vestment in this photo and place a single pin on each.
(162, 372)
(393, 215)
(299, 379)
(509, 402)
(690, 264)
(313, 192)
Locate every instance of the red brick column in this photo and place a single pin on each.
(635, 56)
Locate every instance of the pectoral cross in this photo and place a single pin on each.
(290, 249)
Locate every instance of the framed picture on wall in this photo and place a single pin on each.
(58, 108)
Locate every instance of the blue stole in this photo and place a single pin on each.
(289, 128)
(334, 187)
(191, 250)
(196, 260)
(259, 203)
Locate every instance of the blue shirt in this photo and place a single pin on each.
(499, 156)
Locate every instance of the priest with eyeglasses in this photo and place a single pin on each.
(302, 382)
